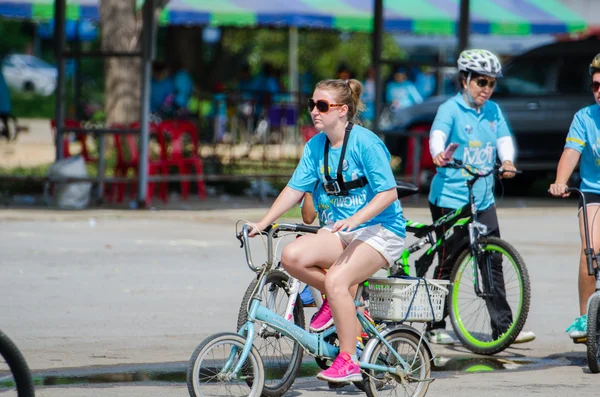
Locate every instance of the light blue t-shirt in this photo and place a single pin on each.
(403, 93)
(322, 203)
(476, 135)
(5, 103)
(584, 136)
(366, 155)
(184, 86)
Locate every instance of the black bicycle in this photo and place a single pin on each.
(489, 300)
(14, 373)
(592, 339)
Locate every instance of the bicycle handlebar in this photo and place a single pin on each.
(271, 232)
(458, 164)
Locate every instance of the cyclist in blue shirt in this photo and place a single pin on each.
(583, 142)
(367, 230)
(478, 126)
(316, 204)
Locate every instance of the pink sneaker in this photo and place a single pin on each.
(322, 319)
(343, 369)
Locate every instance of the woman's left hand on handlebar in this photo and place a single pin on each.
(509, 170)
(345, 225)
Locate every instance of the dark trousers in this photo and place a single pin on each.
(498, 307)
(4, 131)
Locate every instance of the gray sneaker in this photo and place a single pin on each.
(440, 336)
(524, 337)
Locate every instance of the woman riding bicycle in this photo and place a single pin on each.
(367, 230)
(478, 126)
(583, 143)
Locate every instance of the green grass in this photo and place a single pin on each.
(294, 213)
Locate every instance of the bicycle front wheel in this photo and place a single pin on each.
(210, 370)
(593, 334)
(489, 311)
(281, 355)
(14, 372)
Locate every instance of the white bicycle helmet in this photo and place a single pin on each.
(595, 65)
(479, 61)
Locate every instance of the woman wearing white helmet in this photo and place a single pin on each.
(478, 126)
(582, 144)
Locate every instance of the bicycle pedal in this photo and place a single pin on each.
(579, 341)
(337, 385)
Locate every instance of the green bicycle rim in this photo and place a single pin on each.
(456, 287)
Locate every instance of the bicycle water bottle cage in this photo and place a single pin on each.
(338, 187)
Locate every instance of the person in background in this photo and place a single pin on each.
(161, 89)
(183, 84)
(5, 107)
(425, 81)
(368, 97)
(343, 72)
(401, 93)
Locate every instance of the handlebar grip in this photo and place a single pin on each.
(307, 229)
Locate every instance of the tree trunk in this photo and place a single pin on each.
(121, 31)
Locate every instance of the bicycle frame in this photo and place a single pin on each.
(314, 343)
(451, 228)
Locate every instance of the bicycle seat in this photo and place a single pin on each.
(406, 189)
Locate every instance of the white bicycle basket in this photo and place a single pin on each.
(407, 299)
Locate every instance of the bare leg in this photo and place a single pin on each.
(305, 258)
(587, 283)
(358, 262)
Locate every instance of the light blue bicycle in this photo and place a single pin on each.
(395, 361)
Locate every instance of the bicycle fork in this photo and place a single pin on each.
(476, 230)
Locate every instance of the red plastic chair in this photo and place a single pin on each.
(425, 162)
(175, 132)
(126, 146)
(81, 137)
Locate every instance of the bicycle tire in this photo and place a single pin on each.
(593, 334)
(18, 366)
(373, 382)
(195, 373)
(470, 339)
(276, 387)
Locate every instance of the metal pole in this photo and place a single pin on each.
(148, 35)
(464, 24)
(77, 77)
(59, 48)
(377, 44)
(293, 59)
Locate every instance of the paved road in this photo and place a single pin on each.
(140, 287)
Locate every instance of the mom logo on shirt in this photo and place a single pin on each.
(351, 201)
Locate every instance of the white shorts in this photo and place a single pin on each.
(387, 243)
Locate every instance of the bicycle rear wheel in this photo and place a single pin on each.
(413, 351)
(593, 334)
(488, 323)
(281, 355)
(15, 378)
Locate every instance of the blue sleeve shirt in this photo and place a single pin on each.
(584, 136)
(367, 156)
(476, 135)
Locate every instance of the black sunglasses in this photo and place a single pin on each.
(322, 105)
(595, 86)
(482, 82)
